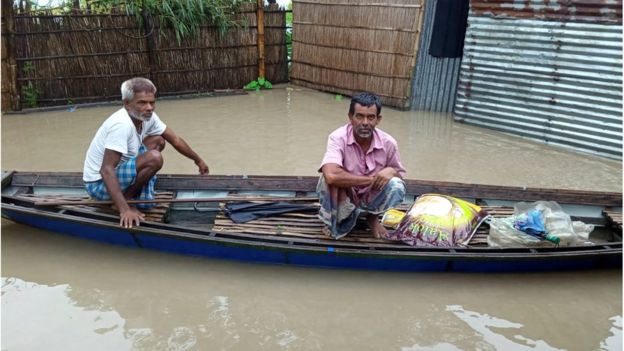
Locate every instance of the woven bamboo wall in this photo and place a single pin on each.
(348, 46)
(222, 62)
(84, 58)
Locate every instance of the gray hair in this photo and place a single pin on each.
(136, 85)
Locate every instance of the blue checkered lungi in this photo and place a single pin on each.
(126, 174)
(341, 217)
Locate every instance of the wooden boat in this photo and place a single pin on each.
(189, 220)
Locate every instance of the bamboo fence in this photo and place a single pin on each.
(348, 46)
(80, 58)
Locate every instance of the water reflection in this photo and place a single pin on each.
(614, 341)
(28, 308)
(144, 300)
(100, 321)
(486, 325)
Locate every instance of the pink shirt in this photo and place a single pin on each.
(343, 150)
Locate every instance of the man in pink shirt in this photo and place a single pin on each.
(361, 171)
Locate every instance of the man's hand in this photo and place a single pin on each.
(129, 217)
(383, 177)
(182, 147)
(203, 167)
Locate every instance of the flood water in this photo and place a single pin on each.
(64, 293)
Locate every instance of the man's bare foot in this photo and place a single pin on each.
(379, 231)
(326, 232)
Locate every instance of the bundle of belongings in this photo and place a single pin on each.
(538, 224)
(436, 220)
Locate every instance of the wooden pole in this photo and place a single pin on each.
(148, 24)
(10, 85)
(210, 199)
(418, 28)
(260, 18)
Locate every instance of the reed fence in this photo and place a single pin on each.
(348, 46)
(52, 59)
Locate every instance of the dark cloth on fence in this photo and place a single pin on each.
(449, 28)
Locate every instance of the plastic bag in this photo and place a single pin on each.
(504, 232)
(439, 220)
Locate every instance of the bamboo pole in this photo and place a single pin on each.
(148, 23)
(260, 18)
(12, 83)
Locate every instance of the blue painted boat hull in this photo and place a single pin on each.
(426, 260)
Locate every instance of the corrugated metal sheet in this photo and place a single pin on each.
(552, 78)
(435, 79)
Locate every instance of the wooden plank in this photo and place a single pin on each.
(308, 184)
(317, 225)
(6, 178)
(90, 202)
(155, 214)
(276, 230)
(613, 217)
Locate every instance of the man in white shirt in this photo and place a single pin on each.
(125, 154)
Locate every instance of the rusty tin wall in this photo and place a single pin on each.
(545, 70)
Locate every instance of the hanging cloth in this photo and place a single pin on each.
(449, 28)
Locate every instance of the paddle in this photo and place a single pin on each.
(210, 199)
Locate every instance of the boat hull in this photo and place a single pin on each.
(416, 260)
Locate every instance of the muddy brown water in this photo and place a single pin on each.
(63, 293)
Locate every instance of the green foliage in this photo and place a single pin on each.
(28, 67)
(30, 94)
(258, 84)
(289, 25)
(185, 16)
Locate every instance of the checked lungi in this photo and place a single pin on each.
(340, 207)
(126, 174)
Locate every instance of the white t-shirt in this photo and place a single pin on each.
(118, 133)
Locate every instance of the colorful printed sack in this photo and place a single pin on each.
(439, 221)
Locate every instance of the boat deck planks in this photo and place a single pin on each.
(299, 225)
(156, 214)
(614, 218)
(309, 226)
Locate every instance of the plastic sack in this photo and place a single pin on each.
(504, 232)
(392, 218)
(439, 221)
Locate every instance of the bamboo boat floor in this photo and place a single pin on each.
(157, 213)
(614, 218)
(308, 225)
(301, 225)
